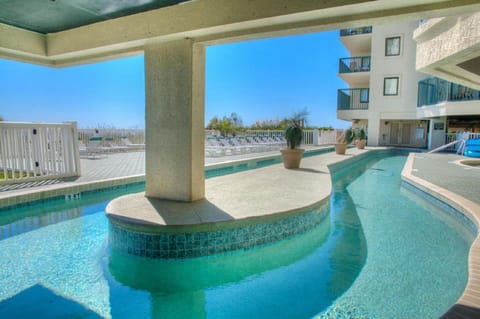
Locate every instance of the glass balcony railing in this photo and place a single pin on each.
(432, 91)
(354, 64)
(353, 99)
(355, 31)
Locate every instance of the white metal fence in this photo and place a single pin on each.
(328, 137)
(310, 137)
(33, 151)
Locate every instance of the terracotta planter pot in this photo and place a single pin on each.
(292, 157)
(341, 148)
(361, 144)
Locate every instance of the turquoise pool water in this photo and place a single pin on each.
(382, 252)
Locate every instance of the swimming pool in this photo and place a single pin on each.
(381, 252)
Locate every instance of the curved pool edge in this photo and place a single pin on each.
(237, 205)
(468, 305)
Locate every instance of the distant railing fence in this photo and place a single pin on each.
(310, 137)
(33, 151)
(137, 136)
(112, 135)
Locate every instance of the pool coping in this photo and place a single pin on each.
(30, 196)
(468, 305)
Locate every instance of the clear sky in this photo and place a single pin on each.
(258, 80)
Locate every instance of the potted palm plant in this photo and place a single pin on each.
(292, 155)
(361, 138)
(343, 141)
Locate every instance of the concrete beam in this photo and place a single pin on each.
(218, 21)
(22, 45)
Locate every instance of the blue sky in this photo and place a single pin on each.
(259, 80)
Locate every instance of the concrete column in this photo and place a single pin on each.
(174, 116)
(373, 131)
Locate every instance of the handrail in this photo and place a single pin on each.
(354, 64)
(432, 91)
(445, 146)
(353, 99)
(355, 31)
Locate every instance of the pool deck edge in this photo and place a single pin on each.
(239, 197)
(468, 305)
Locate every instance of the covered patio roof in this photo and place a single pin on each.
(62, 33)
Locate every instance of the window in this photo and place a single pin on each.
(363, 95)
(390, 86)
(392, 46)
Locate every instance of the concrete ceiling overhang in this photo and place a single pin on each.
(449, 48)
(208, 22)
(49, 16)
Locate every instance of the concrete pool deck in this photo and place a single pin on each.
(238, 196)
(108, 171)
(445, 178)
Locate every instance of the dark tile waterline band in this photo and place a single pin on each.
(201, 244)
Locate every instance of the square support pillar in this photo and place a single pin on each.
(175, 120)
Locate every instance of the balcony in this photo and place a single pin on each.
(438, 97)
(354, 31)
(354, 64)
(355, 70)
(353, 99)
(358, 41)
(433, 91)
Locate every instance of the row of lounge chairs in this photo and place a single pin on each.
(215, 146)
(235, 145)
(98, 146)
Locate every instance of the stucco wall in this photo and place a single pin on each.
(403, 105)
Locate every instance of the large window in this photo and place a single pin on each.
(390, 86)
(392, 46)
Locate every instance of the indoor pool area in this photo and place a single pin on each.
(378, 250)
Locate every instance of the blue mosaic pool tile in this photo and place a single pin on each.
(190, 245)
(443, 205)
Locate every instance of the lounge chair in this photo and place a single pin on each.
(131, 146)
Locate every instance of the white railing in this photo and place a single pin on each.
(266, 133)
(310, 137)
(328, 137)
(473, 135)
(34, 151)
(452, 137)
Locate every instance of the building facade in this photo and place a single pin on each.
(449, 49)
(398, 105)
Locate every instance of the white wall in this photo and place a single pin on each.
(403, 105)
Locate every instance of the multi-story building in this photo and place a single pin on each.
(388, 96)
(382, 96)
